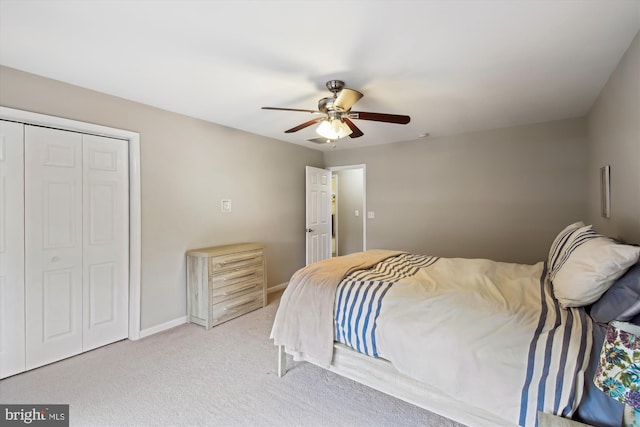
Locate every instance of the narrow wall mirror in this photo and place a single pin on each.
(605, 190)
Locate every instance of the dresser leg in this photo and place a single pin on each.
(282, 361)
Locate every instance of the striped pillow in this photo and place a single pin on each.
(558, 247)
(585, 264)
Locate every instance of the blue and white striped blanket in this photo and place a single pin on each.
(489, 333)
(359, 299)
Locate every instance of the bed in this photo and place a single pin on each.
(482, 342)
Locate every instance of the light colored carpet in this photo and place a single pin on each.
(226, 376)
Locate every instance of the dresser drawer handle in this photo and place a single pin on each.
(244, 288)
(240, 304)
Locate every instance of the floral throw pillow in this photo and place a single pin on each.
(618, 374)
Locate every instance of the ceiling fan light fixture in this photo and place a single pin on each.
(333, 129)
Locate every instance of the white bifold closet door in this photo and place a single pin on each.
(76, 243)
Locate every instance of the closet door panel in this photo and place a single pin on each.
(106, 240)
(53, 239)
(12, 328)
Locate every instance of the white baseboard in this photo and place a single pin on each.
(276, 288)
(163, 327)
(182, 320)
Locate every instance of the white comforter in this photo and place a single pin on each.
(303, 323)
(489, 333)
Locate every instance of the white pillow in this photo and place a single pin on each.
(587, 265)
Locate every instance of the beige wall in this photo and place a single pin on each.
(614, 139)
(502, 194)
(187, 167)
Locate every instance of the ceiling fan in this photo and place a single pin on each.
(336, 117)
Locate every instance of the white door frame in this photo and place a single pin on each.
(135, 226)
(364, 197)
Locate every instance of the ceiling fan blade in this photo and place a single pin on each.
(304, 125)
(346, 98)
(291, 109)
(355, 132)
(380, 117)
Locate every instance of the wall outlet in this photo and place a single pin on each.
(371, 215)
(226, 205)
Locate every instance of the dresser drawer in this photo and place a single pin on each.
(235, 276)
(236, 289)
(234, 307)
(222, 263)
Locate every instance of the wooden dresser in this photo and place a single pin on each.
(224, 282)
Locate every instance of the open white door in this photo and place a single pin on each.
(318, 223)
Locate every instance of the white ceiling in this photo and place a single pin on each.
(453, 66)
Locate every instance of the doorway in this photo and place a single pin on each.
(348, 209)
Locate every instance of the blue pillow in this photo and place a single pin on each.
(596, 408)
(621, 301)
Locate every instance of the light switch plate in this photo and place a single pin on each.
(226, 205)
